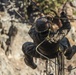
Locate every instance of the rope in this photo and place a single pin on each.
(47, 57)
(43, 54)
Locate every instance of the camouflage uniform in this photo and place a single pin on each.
(48, 48)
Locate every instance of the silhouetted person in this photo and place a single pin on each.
(47, 41)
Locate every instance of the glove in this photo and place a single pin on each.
(55, 19)
(63, 15)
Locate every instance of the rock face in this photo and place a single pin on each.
(12, 58)
(6, 68)
(73, 3)
(13, 62)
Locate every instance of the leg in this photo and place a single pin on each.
(29, 51)
(68, 50)
(65, 43)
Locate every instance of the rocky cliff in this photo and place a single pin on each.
(12, 57)
(12, 60)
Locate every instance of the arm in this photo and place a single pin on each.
(63, 31)
(31, 32)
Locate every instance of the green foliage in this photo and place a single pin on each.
(74, 12)
(45, 5)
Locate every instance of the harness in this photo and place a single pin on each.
(49, 39)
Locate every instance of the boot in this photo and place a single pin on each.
(70, 52)
(51, 74)
(29, 62)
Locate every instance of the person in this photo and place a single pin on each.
(47, 41)
(32, 11)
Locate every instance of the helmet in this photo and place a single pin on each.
(42, 25)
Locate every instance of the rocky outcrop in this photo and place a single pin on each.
(73, 3)
(12, 60)
(13, 63)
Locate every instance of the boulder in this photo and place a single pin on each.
(73, 3)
